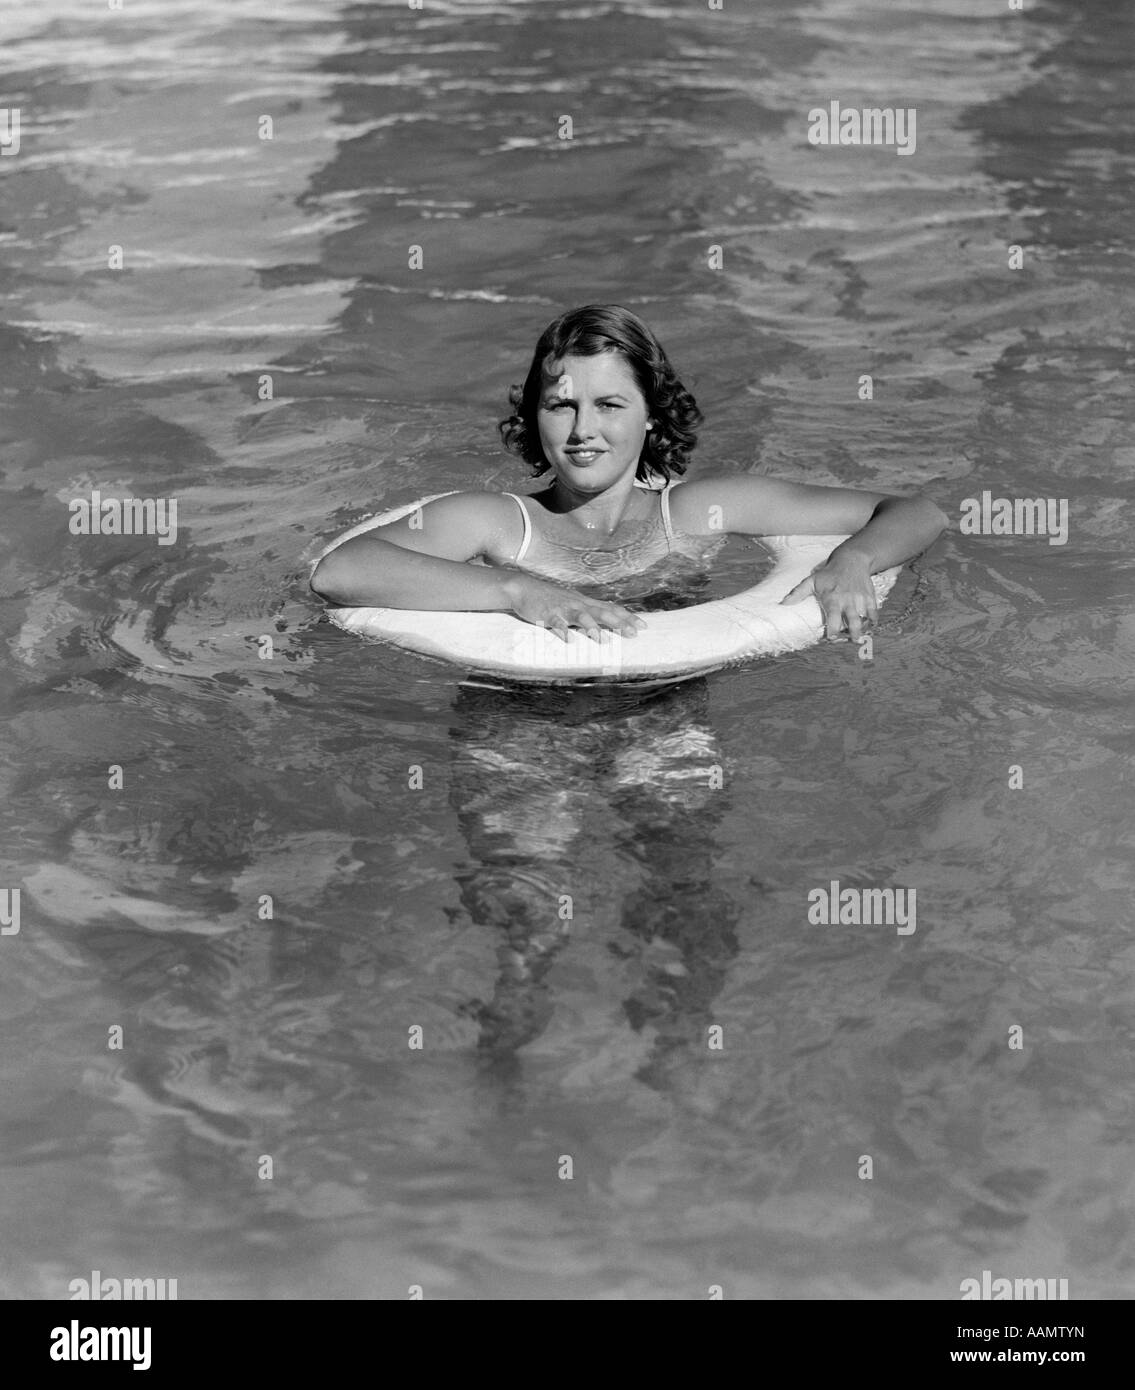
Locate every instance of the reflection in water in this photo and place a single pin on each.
(547, 786)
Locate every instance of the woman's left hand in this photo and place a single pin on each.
(845, 593)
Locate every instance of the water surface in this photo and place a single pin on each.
(686, 826)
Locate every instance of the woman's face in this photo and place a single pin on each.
(592, 420)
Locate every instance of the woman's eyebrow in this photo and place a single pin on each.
(553, 395)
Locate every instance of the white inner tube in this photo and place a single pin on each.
(681, 642)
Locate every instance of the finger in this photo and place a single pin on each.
(586, 624)
(872, 607)
(854, 626)
(620, 620)
(833, 620)
(800, 592)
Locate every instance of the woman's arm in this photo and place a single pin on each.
(420, 562)
(885, 531)
(899, 528)
(375, 573)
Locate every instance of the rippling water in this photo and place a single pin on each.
(545, 1035)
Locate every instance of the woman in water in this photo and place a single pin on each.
(602, 409)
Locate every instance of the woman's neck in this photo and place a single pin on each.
(601, 515)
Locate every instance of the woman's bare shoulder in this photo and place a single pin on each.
(470, 506)
(456, 526)
(478, 523)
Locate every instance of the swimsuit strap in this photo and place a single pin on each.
(666, 512)
(527, 541)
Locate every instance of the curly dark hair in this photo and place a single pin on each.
(587, 332)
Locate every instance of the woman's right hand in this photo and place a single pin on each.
(558, 609)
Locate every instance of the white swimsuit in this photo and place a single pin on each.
(599, 565)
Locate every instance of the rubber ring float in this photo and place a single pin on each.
(683, 642)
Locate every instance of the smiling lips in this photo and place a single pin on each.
(586, 454)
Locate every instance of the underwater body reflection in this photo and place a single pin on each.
(550, 786)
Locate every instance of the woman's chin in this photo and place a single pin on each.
(589, 477)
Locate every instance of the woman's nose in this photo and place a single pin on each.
(584, 425)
